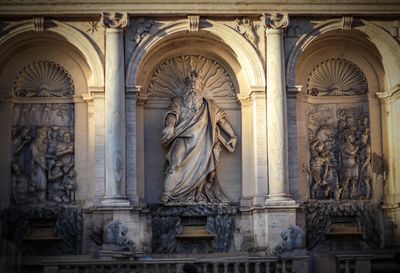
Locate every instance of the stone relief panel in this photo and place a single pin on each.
(340, 163)
(337, 77)
(43, 138)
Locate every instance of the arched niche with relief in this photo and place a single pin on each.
(339, 129)
(43, 132)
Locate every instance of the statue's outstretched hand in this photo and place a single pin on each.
(167, 134)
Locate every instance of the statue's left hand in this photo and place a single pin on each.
(167, 133)
(232, 142)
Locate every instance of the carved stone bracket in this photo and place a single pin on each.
(275, 21)
(114, 20)
(247, 28)
(194, 23)
(38, 23)
(347, 22)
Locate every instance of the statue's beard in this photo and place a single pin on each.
(193, 100)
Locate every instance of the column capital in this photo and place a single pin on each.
(114, 20)
(275, 22)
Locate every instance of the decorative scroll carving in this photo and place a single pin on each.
(277, 21)
(114, 20)
(43, 79)
(247, 28)
(169, 78)
(340, 164)
(43, 159)
(139, 29)
(46, 230)
(337, 77)
(193, 134)
(355, 218)
(116, 237)
(194, 23)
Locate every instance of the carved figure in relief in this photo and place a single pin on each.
(193, 133)
(365, 163)
(65, 151)
(350, 174)
(318, 166)
(39, 151)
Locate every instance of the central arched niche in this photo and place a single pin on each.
(161, 76)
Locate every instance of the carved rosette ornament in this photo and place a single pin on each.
(337, 77)
(276, 21)
(115, 20)
(43, 79)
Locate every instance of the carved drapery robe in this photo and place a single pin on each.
(199, 130)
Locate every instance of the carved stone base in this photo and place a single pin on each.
(47, 230)
(115, 202)
(211, 229)
(279, 215)
(343, 225)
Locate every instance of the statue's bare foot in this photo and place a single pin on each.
(164, 198)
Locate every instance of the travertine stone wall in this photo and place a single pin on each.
(242, 47)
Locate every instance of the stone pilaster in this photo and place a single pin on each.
(115, 109)
(131, 144)
(278, 177)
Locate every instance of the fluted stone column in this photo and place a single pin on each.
(278, 177)
(115, 109)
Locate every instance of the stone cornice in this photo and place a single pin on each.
(202, 7)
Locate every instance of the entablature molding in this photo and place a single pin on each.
(226, 7)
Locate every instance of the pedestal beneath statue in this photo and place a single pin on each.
(192, 229)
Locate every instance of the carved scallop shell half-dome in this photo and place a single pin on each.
(170, 77)
(337, 77)
(43, 79)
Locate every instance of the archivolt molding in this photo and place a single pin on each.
(385, 43)
(244, 50)
(70, 34)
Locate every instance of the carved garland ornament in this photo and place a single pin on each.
(169, 78)
(43, 79)
(337, 77)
